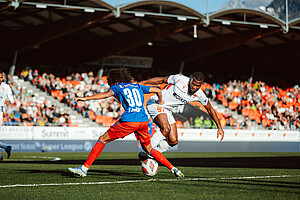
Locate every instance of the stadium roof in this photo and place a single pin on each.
(77, 32)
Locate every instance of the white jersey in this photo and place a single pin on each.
(5, 93)
(176, 93)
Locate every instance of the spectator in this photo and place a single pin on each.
(198, 122)
(186, 124)
(207, 123)
(191, 122)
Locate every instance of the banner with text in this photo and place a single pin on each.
(93, 133)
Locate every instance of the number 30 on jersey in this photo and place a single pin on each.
(133, 97)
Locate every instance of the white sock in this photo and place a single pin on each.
(156, 138)
(3, 146)
(162, 146)
(84, 168)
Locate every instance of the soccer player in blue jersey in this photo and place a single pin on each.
(133, 120)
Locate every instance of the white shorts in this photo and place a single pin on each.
(155, 109)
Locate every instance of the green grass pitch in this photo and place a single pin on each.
(118, 176)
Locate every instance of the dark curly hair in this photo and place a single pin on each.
(119, 75)
(199, 76)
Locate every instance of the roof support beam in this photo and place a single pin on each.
(25, 39)
(196, 50)
(3, 7)
(127, 41)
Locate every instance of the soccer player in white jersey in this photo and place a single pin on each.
(6, 98)
(180, 90)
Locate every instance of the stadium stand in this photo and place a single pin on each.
(72, 37)
(103, 112)
(271, 107)
(47, 100)
(34, 108)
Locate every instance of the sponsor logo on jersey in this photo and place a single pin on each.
(180, 98)
(128, 85)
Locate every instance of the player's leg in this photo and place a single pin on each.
(163, 160)
(8, 151)
(97, 149)
(118, 130)
(172, 137)
(144, 137)
(161, 120)
(94, 154)
(7, 148)
(3, 146)
(159, 116)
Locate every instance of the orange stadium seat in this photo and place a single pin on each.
(73, 125)
(92, 115)
(223, 121)
(99, 119)
(179, 124)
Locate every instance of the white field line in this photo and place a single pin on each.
(148, 180)
(50, 158)
(37, 157)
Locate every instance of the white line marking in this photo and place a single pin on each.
(50, 158)
(37, 157)
(148, 180)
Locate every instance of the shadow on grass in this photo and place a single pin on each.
(292, 162)
(101, 173)
(250, 185)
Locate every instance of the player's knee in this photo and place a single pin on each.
(165, 129)
(172, 143)
(146, 148)
(104, 139)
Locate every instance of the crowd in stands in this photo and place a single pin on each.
(269, 107)
(30, 110)
(104, 112)
(198, 122)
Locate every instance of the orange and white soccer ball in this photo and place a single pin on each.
(149, 167)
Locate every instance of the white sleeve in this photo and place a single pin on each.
(173, 78)
(9, 95)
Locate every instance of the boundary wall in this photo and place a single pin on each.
(77, 139)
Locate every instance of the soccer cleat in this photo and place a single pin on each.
(78, 171)
(8, 151)
(177, 172)
(143, 156)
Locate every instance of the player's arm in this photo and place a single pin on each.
(158, 92)
(9, 97)
(211, 111)
(155, 81)
(102, 95)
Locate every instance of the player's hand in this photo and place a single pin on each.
(141, 83)
(79, 99)
(161, 102)
(220, 133)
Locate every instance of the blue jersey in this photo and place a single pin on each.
(132, 98)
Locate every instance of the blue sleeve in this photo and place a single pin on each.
(145, 89)
(114, 88)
